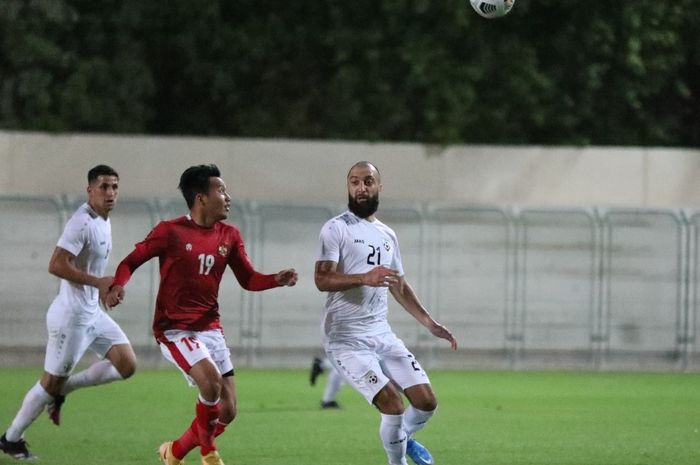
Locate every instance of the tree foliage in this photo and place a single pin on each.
(552, 72)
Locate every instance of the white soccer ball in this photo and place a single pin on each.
(492, 8)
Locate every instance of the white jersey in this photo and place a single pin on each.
(357, 246)
(88, 236)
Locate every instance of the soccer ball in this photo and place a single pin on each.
(492, 8)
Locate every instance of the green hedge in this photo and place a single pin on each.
(552, 72)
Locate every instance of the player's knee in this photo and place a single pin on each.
(52, 384)
(128, 370)
(125, 365)
(217, 385)
(422, 397)
(389, 401)
(211, 389)
(390, 408)
(227, 414)
(427, 405)
(123, 358)
(426, 402)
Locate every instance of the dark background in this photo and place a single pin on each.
(432, 71)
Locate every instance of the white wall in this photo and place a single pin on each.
(314, 171)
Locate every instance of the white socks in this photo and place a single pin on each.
(33, 404)
(335, 381)
(37, 398)
(394, 430)
(414, 419)
(208, 403)
(101, 372)
(393, 438)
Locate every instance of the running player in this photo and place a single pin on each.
(194, 251)
(74, 320)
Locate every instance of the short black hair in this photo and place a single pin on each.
(101, 170)
(195, 180)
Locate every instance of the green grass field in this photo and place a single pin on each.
(485, 418)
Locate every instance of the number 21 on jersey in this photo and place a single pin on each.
(375, 256)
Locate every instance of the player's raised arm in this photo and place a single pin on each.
(406, 296)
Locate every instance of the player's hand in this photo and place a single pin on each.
(440, 331)
(114, 296)
(380, 276)
(287, 277)
(103, 284)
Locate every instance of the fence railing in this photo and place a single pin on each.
(520, 287)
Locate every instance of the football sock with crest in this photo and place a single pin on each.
(393, 438)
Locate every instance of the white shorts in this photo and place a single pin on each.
(70, 338)
(185, 348)
(369, 363)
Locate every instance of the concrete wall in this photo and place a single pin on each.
(568, 286)
(314, 171)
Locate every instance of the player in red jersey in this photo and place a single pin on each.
(193, 252)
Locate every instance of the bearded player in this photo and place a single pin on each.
(359, 261)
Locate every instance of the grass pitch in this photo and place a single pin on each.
(485, 418)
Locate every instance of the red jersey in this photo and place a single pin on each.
(192, 261)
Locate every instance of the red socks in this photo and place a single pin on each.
(188, 441)
(206, 422)
(202, 431)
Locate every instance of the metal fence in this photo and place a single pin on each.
(520, 287)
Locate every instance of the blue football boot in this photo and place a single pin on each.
(418, 453)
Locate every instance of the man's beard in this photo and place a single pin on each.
(364, 209)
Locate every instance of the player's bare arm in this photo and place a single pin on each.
(62, 265)
(328, 279)
(287, 277)
(407, 298)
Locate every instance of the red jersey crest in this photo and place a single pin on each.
(223, 250)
